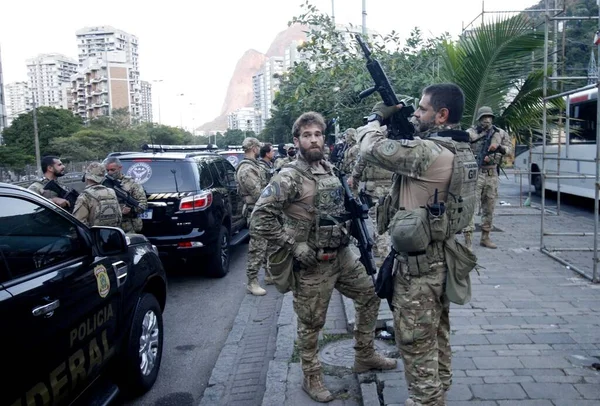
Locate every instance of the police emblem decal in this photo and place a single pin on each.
(140, 172)
(389, 148)
(102, 280)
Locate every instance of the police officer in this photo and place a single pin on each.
(53, 169)
(377, 185)
(291, 156)
(308, 196)
(251, 179)
(266, 160)
(132, 223)
(350, 153)
(498, 140)
(97, 205)
(426, 164)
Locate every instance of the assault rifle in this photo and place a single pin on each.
(123, 196)
(398, 125)
(69, 195)
(359, 212)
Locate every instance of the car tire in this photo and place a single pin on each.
(143, 353)
(220, 256)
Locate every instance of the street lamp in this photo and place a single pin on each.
(158, 97)
(180, 113)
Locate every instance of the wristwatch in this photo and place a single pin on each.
(373, 117)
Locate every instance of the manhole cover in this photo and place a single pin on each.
(341, 353)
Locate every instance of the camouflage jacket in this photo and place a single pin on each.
(38, 187)
(137, 192)
(251, 179)
(350, 157)
(267, 167)
(499, 137)
(98, 206)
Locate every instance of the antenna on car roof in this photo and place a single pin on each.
(152, 141)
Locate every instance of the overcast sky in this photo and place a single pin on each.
(193, 46)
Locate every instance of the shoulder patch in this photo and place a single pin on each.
(389, 147)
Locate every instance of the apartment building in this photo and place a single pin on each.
(96, 41)
(245, 119)
(18, 100)
(46, 75)
(101, 85)
(265, 83)
(146, 101)
(3, 114)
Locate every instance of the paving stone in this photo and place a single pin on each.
(510, 339)
(589, 391)
(462, 363)
(394, 394)
(491, 372)
(459, 392)
(551, 391)
(507, 379)
(545, 362)
(497, 362)
(535, 372)
(368, 392)
(525, 403)
(552, 338)
(466, 339)
(498, 391)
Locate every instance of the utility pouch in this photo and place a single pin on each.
(326, 255)
(418, 264)
(409, 230)
(438, 227)
(384, 213)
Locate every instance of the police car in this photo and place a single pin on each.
(79, 307)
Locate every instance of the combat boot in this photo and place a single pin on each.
(254, 288)
(485, 240)
(375, 361)
(315, 388)
(469, 240)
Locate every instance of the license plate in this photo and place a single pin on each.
(147, 215)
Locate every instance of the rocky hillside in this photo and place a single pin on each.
(239, 91)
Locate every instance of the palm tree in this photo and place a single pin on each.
(493, 66)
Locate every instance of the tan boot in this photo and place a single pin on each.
(485, 240)
(315, 388)
(375, 361)
(469, 239)
(254, 288)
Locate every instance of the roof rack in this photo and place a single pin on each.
(181, 148)
(235, 147)
(121, 153)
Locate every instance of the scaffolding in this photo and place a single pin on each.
(552, 252)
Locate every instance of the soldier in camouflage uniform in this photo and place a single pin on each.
(351, 152)
(266, 160)
(291, 156)
(421, 307)
(251, 179)
(132, 223)
(487, 182)
(377, 185)
(97, 205)
(53, 169)
(308, 196)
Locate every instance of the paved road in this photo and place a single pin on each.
(199, 315)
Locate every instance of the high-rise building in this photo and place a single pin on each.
(46, 75)
(146, 101)
(98, 40)
(18, 100)
(3, 117)
(101, 85)
(245, 119)
(265, 83)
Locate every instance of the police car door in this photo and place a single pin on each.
(59, 322)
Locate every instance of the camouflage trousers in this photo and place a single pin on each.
(312, 292)
(382, 243)
(485, 198)
(422, 330)
(131, 224)
(258, 254)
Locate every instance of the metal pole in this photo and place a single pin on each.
(544, 124)
(364, 17)
(333, 12)
(38, 160)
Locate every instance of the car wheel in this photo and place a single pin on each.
(220, 256)
(144, 348)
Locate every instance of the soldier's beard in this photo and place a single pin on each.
(485, 124)
(57, 173)
(313, 154)
(424, 126)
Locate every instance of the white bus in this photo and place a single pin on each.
(577, 153)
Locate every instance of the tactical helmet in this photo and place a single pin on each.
(350, 135)
(95, 172)
(249, 143)
(484, 111)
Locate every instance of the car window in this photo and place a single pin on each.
(206, 179)
(33, 237)
(230, 172)
(234, 157)
(222, 173)
(162, 176)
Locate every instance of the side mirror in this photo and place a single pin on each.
(109, 240)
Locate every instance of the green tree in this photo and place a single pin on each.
(52, 123)
(233, 137)
(13, 157)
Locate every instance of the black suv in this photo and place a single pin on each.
(194, 209)
(80, 308)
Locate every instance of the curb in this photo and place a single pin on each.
(278, 368)
(225, 365)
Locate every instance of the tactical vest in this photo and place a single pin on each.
(460, 200)
(331, 226)
(248, 200)
(104, 212)
(374, 173)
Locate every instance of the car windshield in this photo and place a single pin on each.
(162, 176)
(234, 157)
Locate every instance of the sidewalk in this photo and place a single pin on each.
(528, 337)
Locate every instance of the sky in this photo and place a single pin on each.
(193, 46)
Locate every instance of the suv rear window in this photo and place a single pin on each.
(162, 176)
